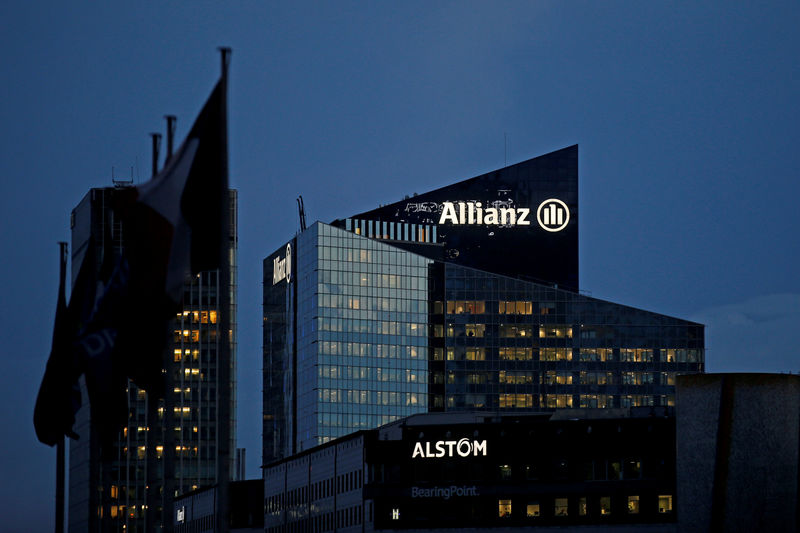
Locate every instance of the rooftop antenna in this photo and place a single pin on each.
(156, 146)
(505, 149)
(171, 119)
(302, 210)
(118, 184)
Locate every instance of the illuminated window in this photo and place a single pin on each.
(558, 401)
(516, 400)
(582, 507)
(605, 505)
(557, 332)
(475, 330)
(515, 354)
(533, 510)
(515, 308)
(561, 507)
(633, 505)
(505, 471)
(504, 508)
(665, 503)
(555, 354)
(595, 354)
(516, 330)
(476, 354)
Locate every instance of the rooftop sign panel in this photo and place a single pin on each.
(519, 221)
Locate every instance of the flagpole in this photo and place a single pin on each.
(224, 300)
(60, 454)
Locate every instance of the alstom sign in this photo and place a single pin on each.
(449, 448)
(552, 214)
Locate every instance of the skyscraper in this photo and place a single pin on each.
(114, 490)
(463, 298)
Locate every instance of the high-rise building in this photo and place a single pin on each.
(464, 298)
(109, 495)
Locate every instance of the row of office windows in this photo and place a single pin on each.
(504, 307)
(550, 401)
(553, 377)
(370, 397)
(371, 373)
(317, 490)
(364, 349)
(400, 231)
(582, 506)
(345, 279)
(527, 353)
(503, 330)
(331, 521)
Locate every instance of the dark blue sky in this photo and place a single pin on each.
(686, 116)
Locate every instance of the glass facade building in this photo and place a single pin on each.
(463, 298)
(109, 495)
(360, 336)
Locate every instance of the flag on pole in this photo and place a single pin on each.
(172, 230)
(59, 395)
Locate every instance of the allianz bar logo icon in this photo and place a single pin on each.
(553, 215)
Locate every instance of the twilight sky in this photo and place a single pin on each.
(687, 118)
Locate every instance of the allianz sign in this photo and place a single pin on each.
(474, 213)
(449, 448)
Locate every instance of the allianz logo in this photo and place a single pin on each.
(282, 268)
(552, 214)
(450, 448)
(474, 213)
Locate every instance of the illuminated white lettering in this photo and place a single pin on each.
(448, 213)
(479, 447)
(449, 448)
(508, 215)
(472, 213)
(418, 450)
(440, 449)
(282, 268)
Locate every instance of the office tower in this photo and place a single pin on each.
(110, 495)
(464, 298)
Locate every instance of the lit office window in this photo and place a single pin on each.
(561, 507)
(605, 505)
(475, 330)
(476, 354)
(633, 504)
(504, 508)
(533, 510)
(555, 332)
(582, 507)
(665, 503)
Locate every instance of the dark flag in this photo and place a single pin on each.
(121, 319)
(59, 395)
(172, 230)
(173, 224)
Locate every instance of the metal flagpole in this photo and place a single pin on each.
(60, 454)
(224, 301)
